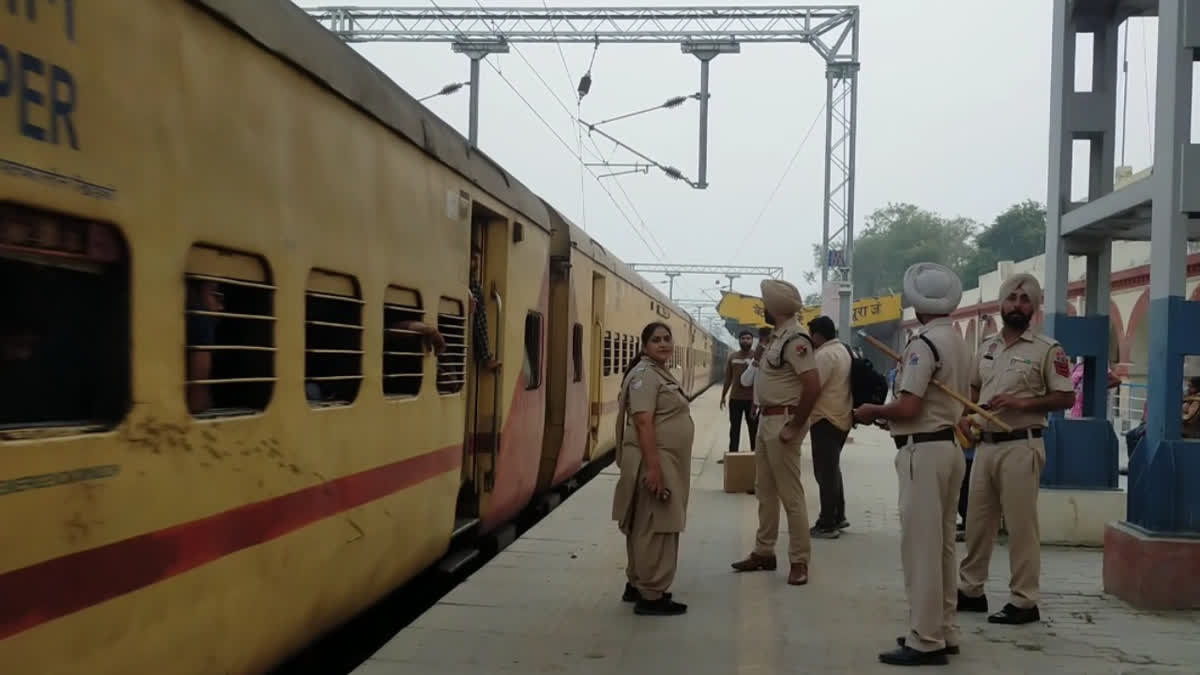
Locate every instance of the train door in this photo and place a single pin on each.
(595, 374)
(485, 328)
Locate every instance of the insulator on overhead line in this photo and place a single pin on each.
(585, 84)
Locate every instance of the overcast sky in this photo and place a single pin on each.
(953, 116)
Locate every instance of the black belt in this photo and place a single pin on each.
(943, 435)
(994, 437)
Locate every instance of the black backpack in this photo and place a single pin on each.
(867, 385)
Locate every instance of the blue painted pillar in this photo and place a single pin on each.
(1164, 471)
(1081, 453)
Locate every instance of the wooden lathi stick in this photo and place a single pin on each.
(953, 394)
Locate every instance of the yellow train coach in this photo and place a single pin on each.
(272, 336)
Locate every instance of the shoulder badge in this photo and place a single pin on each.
(1062, 365)
(1045, 339)
(992, 344)
(635, 383)
(801, 347)
(914, 359)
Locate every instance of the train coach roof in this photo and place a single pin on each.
(289, 32)
(584, 242)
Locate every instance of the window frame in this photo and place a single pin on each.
(219, 264)
(321, 275)
(536, 374)
(61, 240)
(401, 312)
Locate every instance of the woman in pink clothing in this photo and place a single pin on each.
(1077, 380)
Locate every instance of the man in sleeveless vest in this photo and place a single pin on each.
(786, 387)
(1020, 375)
(929, 464)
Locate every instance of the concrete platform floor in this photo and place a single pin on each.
(550, 603)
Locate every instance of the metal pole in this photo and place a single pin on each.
(477, 50)
(828, 171)
(847, 291)
(473, 134)
(702, 181)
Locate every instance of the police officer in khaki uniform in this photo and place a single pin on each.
(654, 454)
(1020, 375)
(786, 387)
(929, 464)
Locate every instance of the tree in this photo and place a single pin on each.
(1016, 234)
(900, 235)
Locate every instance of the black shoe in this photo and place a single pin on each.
(968, 604)
(843, 524)
(1015, 616)
(631, 594)
(822, 532)
(907, 656)
(663, 606)
(949, 649)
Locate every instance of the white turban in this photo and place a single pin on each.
(781, 298)
(1023, 281)
(930, 288)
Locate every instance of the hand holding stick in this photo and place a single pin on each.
(975, 407)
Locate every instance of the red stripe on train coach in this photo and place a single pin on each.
(54, 588)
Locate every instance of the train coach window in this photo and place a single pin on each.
(533, 350)
(333, 328)
(452, 363)
(230, 328)
(577, 350)
(403, 342)
(608, 353)
(64, 322)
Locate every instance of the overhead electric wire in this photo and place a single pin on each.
(567, 110)
(578, 132)
(787, 169)
(580, 158)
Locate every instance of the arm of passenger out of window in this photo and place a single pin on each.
(433, 338)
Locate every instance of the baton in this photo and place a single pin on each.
(975, 407)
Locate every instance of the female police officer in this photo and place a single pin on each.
(654, 454)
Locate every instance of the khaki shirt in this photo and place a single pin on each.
(777, 382)
(917, 368)
(1033, 366)
(651, 389)
(836, 402)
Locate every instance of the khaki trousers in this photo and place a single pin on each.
(930, 477)
(1004, 480)
(777, 479)
(653, 557)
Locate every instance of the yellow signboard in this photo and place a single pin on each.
(747, 310)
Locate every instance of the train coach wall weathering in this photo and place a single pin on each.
(224, 291)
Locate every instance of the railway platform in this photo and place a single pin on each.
(551, 602)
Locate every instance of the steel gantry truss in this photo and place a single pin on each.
(704, 32)
(730, 272)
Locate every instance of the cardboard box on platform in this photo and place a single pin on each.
(739, 471)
